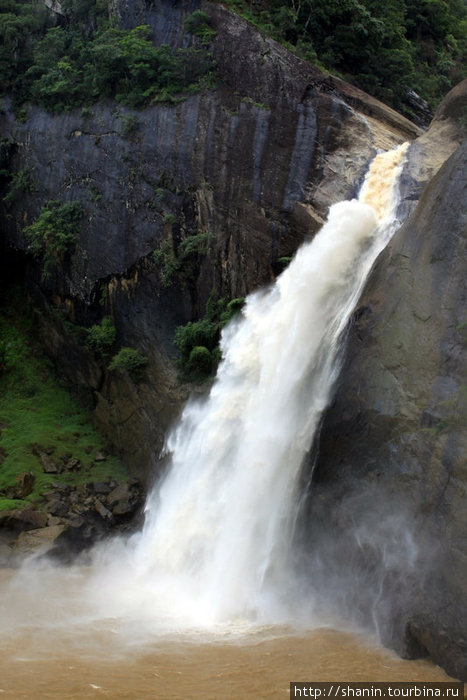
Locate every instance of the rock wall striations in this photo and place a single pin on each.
(394, 442)
(253, 165)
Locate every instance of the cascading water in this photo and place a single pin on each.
(216, 542)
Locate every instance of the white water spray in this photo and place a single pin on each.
(216, 543)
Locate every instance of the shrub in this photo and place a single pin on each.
(197, 341)
(185, 259)
(198, 24)
(231, 309)
(130, 360)
(169, 263)
(199, 363)
(195, 244)
(20, 182)
(129, 125)
(54, 233)
(195, 333)
(102, 337)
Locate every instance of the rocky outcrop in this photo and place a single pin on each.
(72, 520)
(428, 152)
(252, 166)
(391, 476)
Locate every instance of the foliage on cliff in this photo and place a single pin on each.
(389, 49)
(84, 58)
(198, 341)
(38, 416)
(54, 233)
(386, 48)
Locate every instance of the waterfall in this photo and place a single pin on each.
(216, 543)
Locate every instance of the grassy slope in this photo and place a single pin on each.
(36, 409)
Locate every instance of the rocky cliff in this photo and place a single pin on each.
(392, 457)
(253, 165)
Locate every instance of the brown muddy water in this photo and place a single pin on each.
(51, 649)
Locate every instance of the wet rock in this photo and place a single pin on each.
(38, 542)
(125, 499)
(76, 497)
(57, 507)
(104, 513)
(22, 519)
(75, 520)
(79, 535)
(24, 486)
(100, 488)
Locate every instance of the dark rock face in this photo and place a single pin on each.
(254, 164)
(428, 152)
(392, 461)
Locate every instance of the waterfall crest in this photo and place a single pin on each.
(215, 547)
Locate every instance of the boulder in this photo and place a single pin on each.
(38, 542)
(58, 506)
(22, 489)
(104, 513)
(48, 465)
(22, 519)
(125, 499)
(100, 488)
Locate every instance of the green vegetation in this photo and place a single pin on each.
(200, 362)
(54, 233)
(102, 337)
(167, 260)
(182, 259)
(129, 125)
(169, 219)
(130, 360)
(386, 48)
(86, 59)
(36, 412)
(253, 103)
(199, 24)
(20, 182)
(197, 341)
